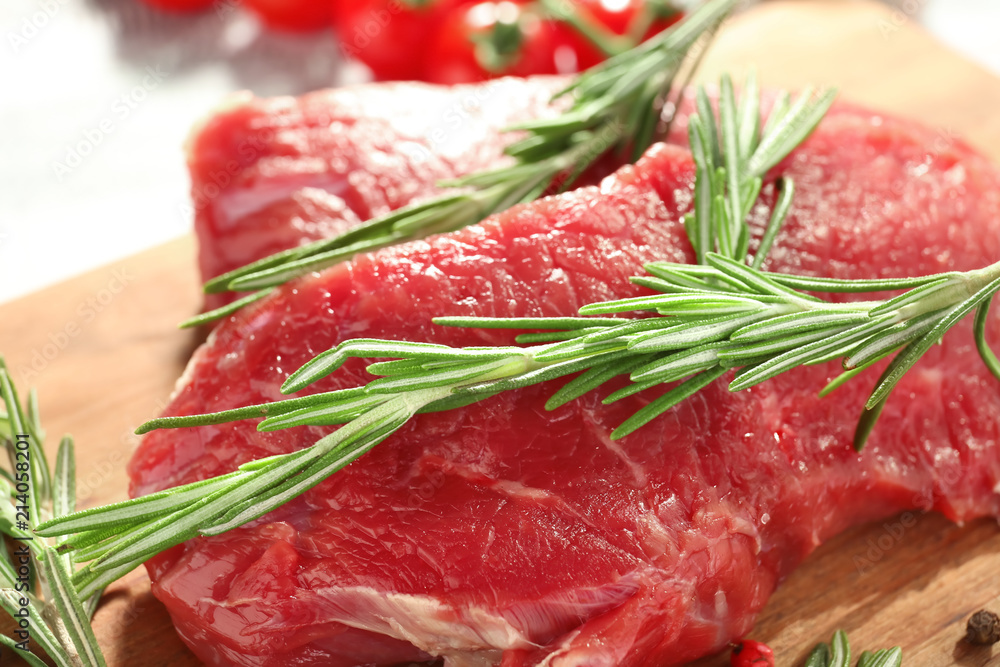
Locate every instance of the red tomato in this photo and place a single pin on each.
(293, 15)
(180, 5)
(749, 653)
(491, 39)
(390, 36)
(618, 18)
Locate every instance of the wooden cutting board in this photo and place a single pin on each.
(104, 352)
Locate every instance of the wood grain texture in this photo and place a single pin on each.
(104, 352)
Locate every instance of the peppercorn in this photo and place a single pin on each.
(983, 628)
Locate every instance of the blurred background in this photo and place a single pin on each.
(100, 94)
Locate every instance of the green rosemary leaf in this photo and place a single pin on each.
(750, 191)
(796, 357)
(819, 657)
(555, 336)
(668, 400)
(87, 539)
(71, 613)
(887, 657)
(7, 577)
(979, 330)
(786, 191)
(734, 168)
(840, 650)
(695, 333)
(752, 280)
(768, 348)
(30, 658)
(561, 323)
(329, 361)
(782, 103)
(891, 339)
(323, 414)
(293, 269)
(691, 305)
(64, 484)
(698, 136)
(248, 412)
(629, 390)
(576, 347)
(224, 311)
(456, 373)
(138, 510)
(221, 282)
(869, 416)
(364, 235)
(852, 286)
(722, 226)
(38, 466)
(628, 328)
(796, 323)
(664, 286)
(544, 374)
(40, 630)
(169, 530)
(644, 119)
(454, 402)
(839, 381)
(91, 584)
(921, 294)
(679, 365)
(33, 416)
(402, 366)
(748, 118)
(801, 119)
(15, 415)
(697, 277)
(351, 441)
(594, 378)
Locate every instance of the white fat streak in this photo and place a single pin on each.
(429, 624)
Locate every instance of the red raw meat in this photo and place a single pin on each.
(271, 174)
(502, 534)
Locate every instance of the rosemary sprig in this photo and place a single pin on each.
(36, 588)
(693, 306)
(616, 106)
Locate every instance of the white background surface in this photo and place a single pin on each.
(99, 95)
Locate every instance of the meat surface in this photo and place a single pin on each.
(502, 534)
(271, 174)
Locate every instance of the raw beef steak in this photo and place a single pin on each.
(502, 534)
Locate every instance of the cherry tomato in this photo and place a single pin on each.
(390, 36)
(618, 18)
(749, 653)
(292, 15)
(490, 39)
(180, 5)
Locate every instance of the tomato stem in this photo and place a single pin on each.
(648, 14)
(609, 43)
